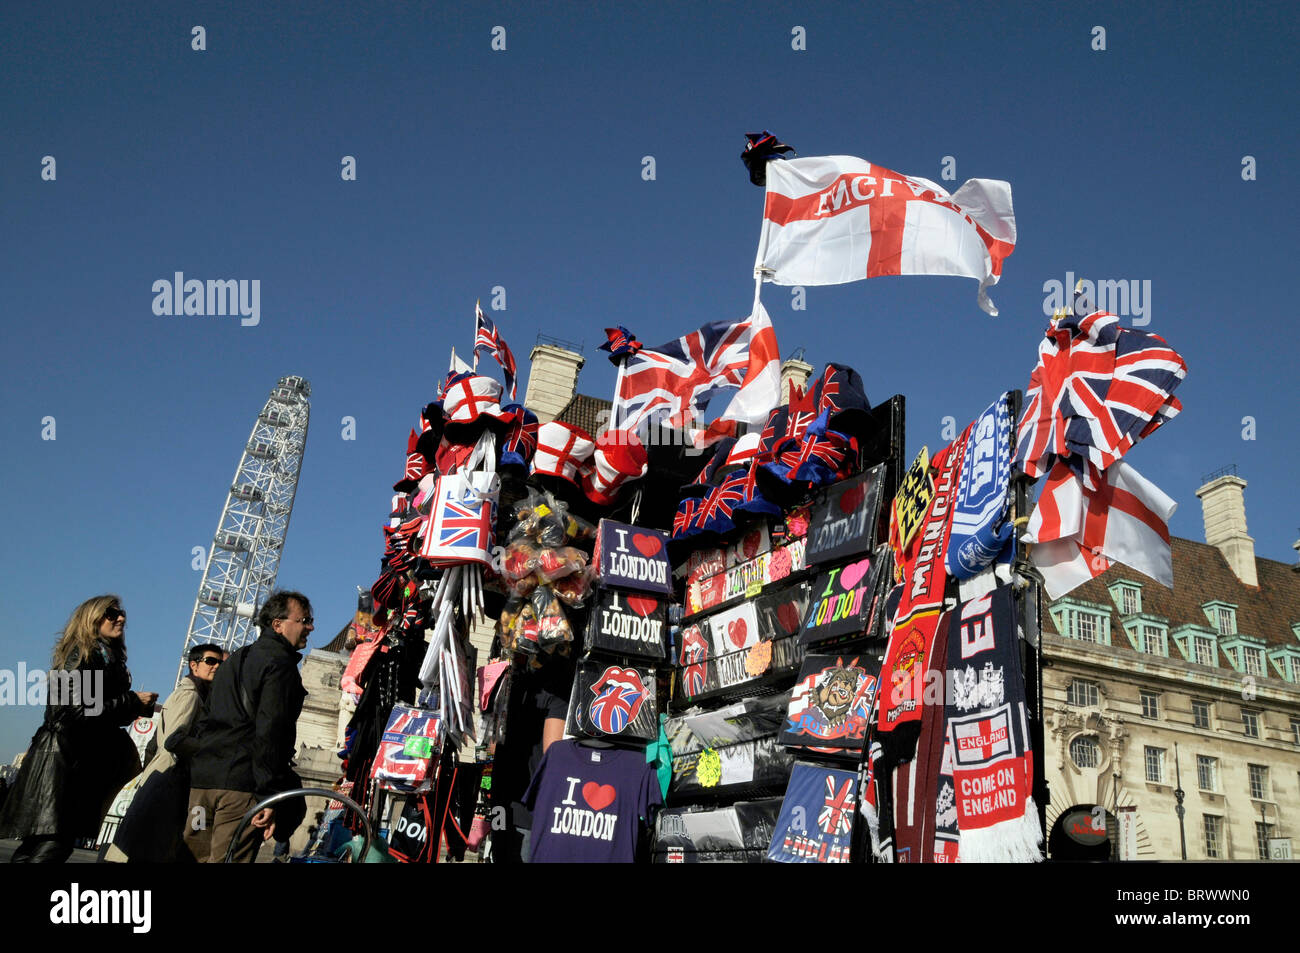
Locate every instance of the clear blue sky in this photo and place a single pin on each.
(522, 169)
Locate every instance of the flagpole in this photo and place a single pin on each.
(618, 390)
(478, 309)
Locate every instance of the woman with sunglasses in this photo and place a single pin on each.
(80, 757)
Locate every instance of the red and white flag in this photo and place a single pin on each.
(832, 219)
(761, 390)
(1079, 532)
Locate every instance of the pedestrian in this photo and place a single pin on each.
(150, 831)
(80, 757)
(246, 740)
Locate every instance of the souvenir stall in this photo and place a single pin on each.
(771, 638)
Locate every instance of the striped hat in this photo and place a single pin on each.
(619, 456)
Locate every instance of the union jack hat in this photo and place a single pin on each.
(563, 451)
(472, 397)
(519, 442)
(842, 404)
(416, 466)
(619, 456)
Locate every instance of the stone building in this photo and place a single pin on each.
(1146, 689)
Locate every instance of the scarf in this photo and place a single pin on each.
(988, 727)
(907, 655)
(978, 530)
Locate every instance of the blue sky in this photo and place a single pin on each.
(522, 169)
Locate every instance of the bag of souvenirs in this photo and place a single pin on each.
(407, 757)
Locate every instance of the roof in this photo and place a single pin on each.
(337, 644)
(589, 413)
(1201, 575)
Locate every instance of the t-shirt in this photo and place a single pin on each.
(590, 804)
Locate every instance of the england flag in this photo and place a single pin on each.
(832, 219)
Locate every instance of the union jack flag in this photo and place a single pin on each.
(676, 380)
(488, 338)
(621, 344)
(836, 815)
(716, 512)
(1097, 390)
(619, 693)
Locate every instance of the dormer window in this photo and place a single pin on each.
(1127, 596)
(1202, 650)
(1221, 615)
(1252, 660)
(1084, 621)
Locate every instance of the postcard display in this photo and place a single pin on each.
(786, 739)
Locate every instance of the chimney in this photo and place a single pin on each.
(1223, 507)
(552, 379)
(793, 371)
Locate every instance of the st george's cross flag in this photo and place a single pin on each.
(832, 219)
(488, 338)
(1079, 532)
(673, 382)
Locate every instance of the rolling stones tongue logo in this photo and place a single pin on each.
(619, 694)
(695, 651)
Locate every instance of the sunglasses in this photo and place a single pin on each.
(115, 613)
(308, 620)
(212, 660)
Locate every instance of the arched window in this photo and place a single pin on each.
(1085, 752)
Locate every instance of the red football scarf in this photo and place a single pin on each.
(988, 728)
(907, 656)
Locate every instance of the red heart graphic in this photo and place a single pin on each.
(642, 605)
(647, 545)
(598, 796)
(788, 615)
(852, 498)
(736, 631)
(852, 574)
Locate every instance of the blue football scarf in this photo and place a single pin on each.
(979, 531)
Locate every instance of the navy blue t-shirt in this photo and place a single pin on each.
(590, 804)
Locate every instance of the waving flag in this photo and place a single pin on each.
(761, 389)
(832, 219)
(675, 380)
(488, 338)
(1097, 390)
(1079, 532)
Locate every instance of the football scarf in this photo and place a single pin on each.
(876, 807)
(907, 655)
(978, 531)
(988, 727)
(915, 781)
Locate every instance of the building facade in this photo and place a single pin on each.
(1148, 692)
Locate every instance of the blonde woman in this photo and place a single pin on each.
(80, 756)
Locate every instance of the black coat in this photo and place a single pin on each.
(246, 739)
(80, 757)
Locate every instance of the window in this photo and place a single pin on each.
(1250, 723)
(1262, 834)
(1083, 694)
(1153, 640)
(1252, 660)
(1295, 730)
(1150, 704)
(1200, 714)
(1155, 763)
(1293, 663)
(1227, 621)
(1207, 773)
(1085, 752)
(1213, 835)
(1128, 601)
(1085, 627)
(1202, 650)
(1258, 781)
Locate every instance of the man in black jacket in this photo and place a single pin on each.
(246, 741)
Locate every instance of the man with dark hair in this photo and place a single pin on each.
(151, 830)
(246, 741)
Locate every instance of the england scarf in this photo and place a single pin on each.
(978, 530)
(988, 728)
(832, 219)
